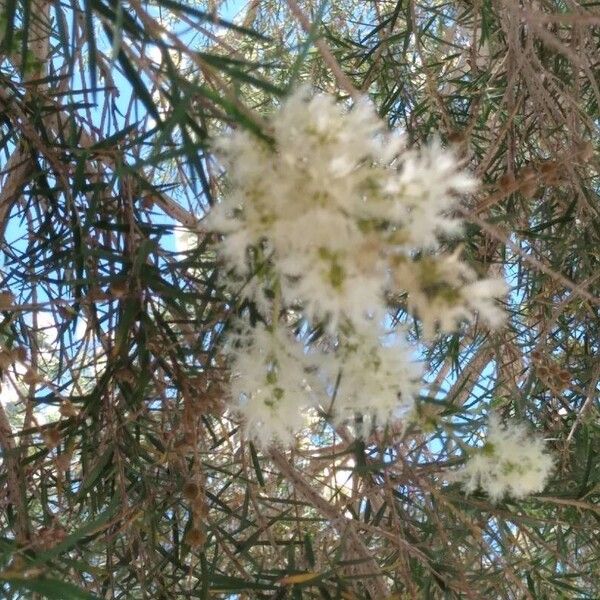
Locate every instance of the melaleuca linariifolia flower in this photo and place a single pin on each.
(276, 380)
(270, 383)
(334, 217)
(443, 291)
(512, 462)
(325, 212)
(368, 376)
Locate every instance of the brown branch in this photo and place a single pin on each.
(14, 478)
(18, 169)
(376, 585)
(341, 78)
(504, 237)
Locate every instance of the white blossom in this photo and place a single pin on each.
(270, 390)
(426, 191)
(512, 462)
(443, 291)
(379, 381)
(330, 219)
(331, 205)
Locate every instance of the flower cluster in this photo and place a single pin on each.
(277, 380)
(511, 462)
(378, 380)
(270, 383)
(332, 218)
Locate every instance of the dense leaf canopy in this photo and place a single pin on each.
(123, 474)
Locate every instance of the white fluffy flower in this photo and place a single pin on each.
(512, 462)
(270, 388)
(330, 204)
(378, 381)
(427, 189)
(328, 219)
(443, 291)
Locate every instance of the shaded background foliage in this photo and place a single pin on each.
(122, 476)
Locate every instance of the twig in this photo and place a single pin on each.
(591, 395)
(342, 79)
(504, 237)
